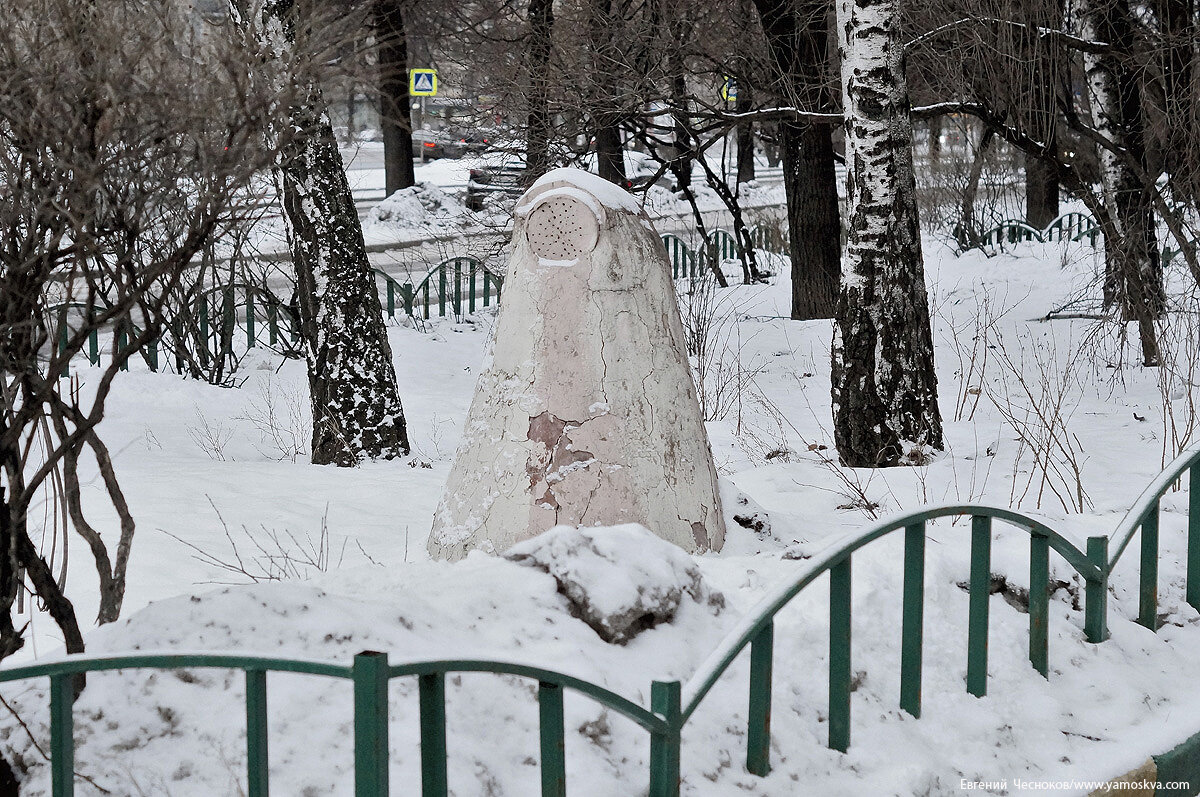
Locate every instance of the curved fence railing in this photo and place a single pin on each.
(460, 284)
(206, 327)
(688, 263)
(1072, 226)
(757, 628)
(672, 704)
(1143, 516)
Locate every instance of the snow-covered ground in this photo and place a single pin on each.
(202, 475)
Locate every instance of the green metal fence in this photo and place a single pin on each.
(460, 284)
(671, 703)
(1067, 227)
(230, 315)
(687, 263)
(212, 321)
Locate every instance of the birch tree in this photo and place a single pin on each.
(884, 385)
(1133, 275)
(356, 406)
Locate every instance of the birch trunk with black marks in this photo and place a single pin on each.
(395, 114)
(884, 386)
(798, 45)
(1133, 272)
(352, 382)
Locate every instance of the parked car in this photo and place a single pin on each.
(503, 175)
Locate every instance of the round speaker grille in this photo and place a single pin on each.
(562, 228)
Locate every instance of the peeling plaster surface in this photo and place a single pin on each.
(586, 413)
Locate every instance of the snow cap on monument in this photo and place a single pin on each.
(585, 413)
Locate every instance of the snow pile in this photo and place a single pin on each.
(424, 207)
(607, 194)
(620, 580)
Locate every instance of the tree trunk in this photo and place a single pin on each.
(745, 135)
(884, 385)
(681, 164)
(1041, 193)
(352, 382)
(1179, 29)
(394, 112)
(1133, 272)
(797, 41)
(610, 155)
(1040, 75)
(604, 107)
(967, 232)
(537, 129)
(935, 140)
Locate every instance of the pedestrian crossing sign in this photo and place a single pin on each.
(422, 82)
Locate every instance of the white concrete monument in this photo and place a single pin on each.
(585, 413)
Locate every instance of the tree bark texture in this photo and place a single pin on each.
(1041, 70)
(395, 114)
(537, 128)
(604, 104)
(352, 382)
(1181, 153)
(745, 136)
(884, 385)
(1133, 272)
(968, 233)
(798, 44)
(1041, 193)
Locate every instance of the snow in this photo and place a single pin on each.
(620, 580)
(1102, 711)
(423, 207)
(588, 185)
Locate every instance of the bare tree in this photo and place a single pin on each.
(129, 135)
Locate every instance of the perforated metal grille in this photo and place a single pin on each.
(562, 228)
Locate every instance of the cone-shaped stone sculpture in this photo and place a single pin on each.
(586, 413)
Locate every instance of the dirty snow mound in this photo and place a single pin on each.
(620, 580)
(421, 206)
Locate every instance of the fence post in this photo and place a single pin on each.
(1095, 595)
(1193, 549)
(977, 618)
(1039, 601)
(432, 697)
(839, 655)
(406, 296)
(249, 318)
(758, 731)
(370, 675)
(257, 776)
(1148, 582)
(666, 701)
(62, 736)
(552, 743)
(122, 342)
(63, 333)
(912, 630)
